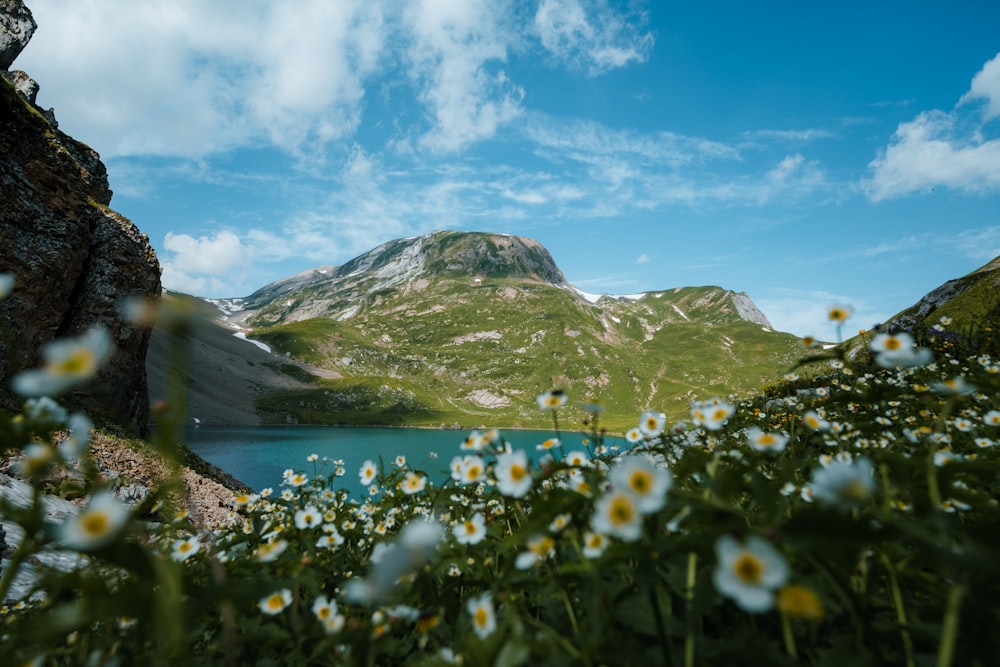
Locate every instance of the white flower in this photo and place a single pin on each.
(413, 483)
(276, 602)
(184, 549)
(471, 469)
(843, 484)
(898, 351)
(633, 435)
(552, 400)
(326, 613)
(647, 482)
(813, 420)
(472, 530)
(308, 517)
(75, 444)
(712, 414)
(484, 620)
(594, 544)
(269, 551)
(95, 525)
(513, 476)
(367, 472)
(540, 548)
(577, 459)
(749, 572)
(67, 362)
(331, 540)
(992, 418)
(766, 442)
(651, 423)
(617, 514)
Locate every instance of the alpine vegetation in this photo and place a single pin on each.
(847, 515)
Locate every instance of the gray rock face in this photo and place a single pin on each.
(16, 28)
(748, 310)
(74, 260)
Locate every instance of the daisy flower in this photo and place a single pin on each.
(276, 602)
(367, 473)
(844, 484)
(644, 480)
(766, 442)
(594, 544)
(413, 483)
(470, 531)
(484, 619)
(513, 476)
(184, 549)
(540, 548)
(617, 514)
(552, 400)
(651, 423)
(308, 517)
(68, 362)
(96, 525)
(749, 572)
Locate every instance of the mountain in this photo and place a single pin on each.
(970, 305)
(467, 328)
(74, 260)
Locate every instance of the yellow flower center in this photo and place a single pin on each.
(95, 524)
(621, 510)
(473, 472)
(766, 439)
(748, 568)
(323, 613)
(470, 527)
(640, 481)
(81, 363)
(482, 617)
(651, 423)
(892, 343)
(518, 472)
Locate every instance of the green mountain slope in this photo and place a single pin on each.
(468, 328)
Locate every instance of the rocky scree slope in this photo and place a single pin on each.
(74, 259)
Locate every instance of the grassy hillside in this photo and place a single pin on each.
(473, 351)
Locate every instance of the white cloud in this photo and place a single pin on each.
(188, 78)
(454, 53)
(589, 35)
(986, 85)
(213, 255)
(939, 148)
(931, 151)
(642, 259)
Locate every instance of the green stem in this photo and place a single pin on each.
(786, 632)
(897, 601)
(689, 599)
(576, 627)
(949, 626)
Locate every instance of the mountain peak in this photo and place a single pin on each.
(457, 254)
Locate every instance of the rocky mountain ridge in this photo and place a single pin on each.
(466, 327)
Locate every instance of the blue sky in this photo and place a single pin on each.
(809, 154)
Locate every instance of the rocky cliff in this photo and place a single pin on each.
(74, 260)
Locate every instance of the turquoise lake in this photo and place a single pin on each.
(257, 455)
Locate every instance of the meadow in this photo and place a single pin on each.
(846, 515)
